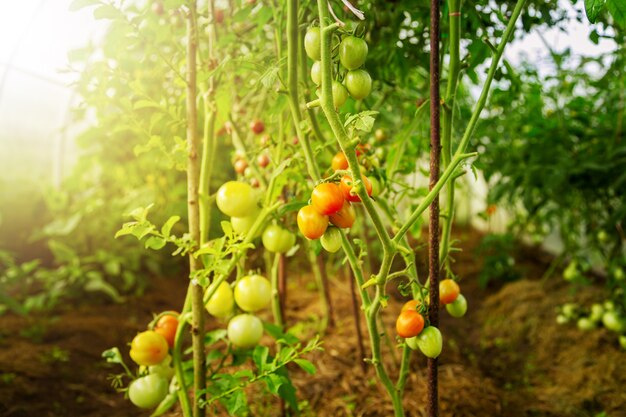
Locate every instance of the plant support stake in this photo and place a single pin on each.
(433, 227)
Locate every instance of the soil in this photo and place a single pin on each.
(506, 357)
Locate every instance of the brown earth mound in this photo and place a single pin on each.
(506, 358)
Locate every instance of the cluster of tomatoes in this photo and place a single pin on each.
(410, 323)
(606, 315)
(251, 294)
(330, 203)
(352, 54)
(149, 350)
(239, 201)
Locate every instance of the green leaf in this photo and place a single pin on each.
(306, 365)
(155, 243)
(593, 9)
(106, 11)
(81, 4)
(363, 121)
(617, 8)
(167, 227)
(113, 355)
(259, 356)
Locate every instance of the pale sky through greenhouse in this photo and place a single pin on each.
(36, 36)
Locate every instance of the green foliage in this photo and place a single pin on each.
(495, 250)
(561, 156)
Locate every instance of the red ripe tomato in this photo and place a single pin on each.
(166, 327)
(327, 198)
(345, 217)
(240, 166)
(295, 140)
(148, 348)
(311, 223)
(254, 183)
(257, 126)
(448, 291)
(263, 160)
(339, 161)
(346, 188)
(409, 323)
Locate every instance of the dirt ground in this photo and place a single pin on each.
(507, 357)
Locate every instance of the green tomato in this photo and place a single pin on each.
(312, 43)
(242, 225)
(571, 272)
(252, 293)
(622, 341)
(352, 52)
(236, 199)
(245, 330)
(331, 240)
(458, 307)
(569, 310)
(612, 321)
(561, 319)
(596, 312)
(316, 73)
(585, 324)
(377, 187)
(618, 273)
(602, 236)
(340, 94)
(221, 302)
(429, 342)
(164, 369)
(278, 240)
(148, 391)
(359, 84)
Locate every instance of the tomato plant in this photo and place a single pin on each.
(148, 391)
(352, 52)
(448, 291)
(347, 187)
(253, 293)
(359, 84)
(327, 198)
(345, 217)
(277, 239)
(409, 323)
(222, 302)
(245, 331)
(312, 224)
(331, 239)
(148, 348)
(236, 199)
(166, 326)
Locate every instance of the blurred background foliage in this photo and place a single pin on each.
(557, 161)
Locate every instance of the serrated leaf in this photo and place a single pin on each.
(259, 356)
(106, 11)
(155, 243)
(167, 227)
(81, 4)
(593, 9)
(306, 365)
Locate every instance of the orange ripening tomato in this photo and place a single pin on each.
(448, 291)
(327, 198)
(339, 161)
(409, 323)
(148, 348)
(412, 305)
(347, 184)
(311, 223)
(166, 327)
(491, 210)
(345, 217)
